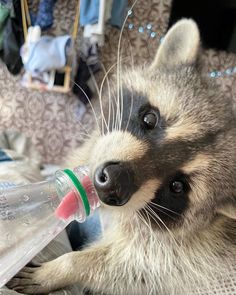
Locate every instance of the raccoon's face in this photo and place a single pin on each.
(168, 152)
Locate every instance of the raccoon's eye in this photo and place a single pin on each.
(177, 187)
(150, 119)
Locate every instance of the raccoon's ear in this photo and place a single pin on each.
(228, 210)
(179, 46)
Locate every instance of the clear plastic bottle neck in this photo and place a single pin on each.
(78, 196)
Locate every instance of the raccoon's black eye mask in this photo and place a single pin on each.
(139, 117)
(171, 198)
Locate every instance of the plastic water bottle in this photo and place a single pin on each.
(33, 215)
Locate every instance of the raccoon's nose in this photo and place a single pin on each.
(114, 183)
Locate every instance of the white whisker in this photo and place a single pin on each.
(119, 63)
(132, 96)
(165, 208)
(156, 217)
(162, 211)
(94, 113)
(109, 96)
(100, 101)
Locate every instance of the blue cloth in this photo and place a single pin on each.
(4, 156)
(6, 185)
(82, 234)
(45, 14)
(49, 53)
(6, 3)
(89, 12)
(118, 13)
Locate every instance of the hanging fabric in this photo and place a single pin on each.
(13, 39)
(4, 14)
(115, 12)
(44, 17)
(44, 55)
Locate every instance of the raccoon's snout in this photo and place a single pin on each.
(114, 183)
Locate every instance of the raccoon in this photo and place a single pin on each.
(164, 168)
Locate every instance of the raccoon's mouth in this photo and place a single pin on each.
(114, 183)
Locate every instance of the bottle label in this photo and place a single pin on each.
(5, 212)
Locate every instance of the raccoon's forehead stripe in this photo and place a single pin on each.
(186, 130)
(199, 162)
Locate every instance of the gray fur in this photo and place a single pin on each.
(198, 137)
